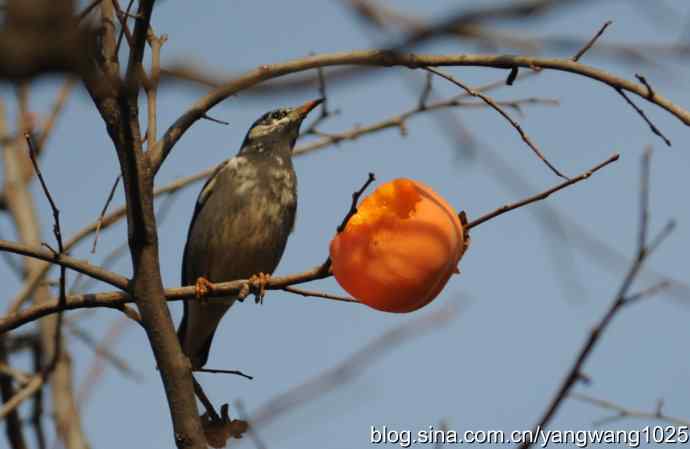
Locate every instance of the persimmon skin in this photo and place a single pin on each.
(398, 252)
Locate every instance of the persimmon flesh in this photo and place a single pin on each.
(399, 250)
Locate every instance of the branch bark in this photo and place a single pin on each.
(120, 111)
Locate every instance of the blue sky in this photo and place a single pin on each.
(527, 296)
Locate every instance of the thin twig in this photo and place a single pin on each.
(643, 80)
(29, 390)
(426, 92)
(315, 294)
(99, 222)
(62, 300)
(199, 391)
(649, 291)
(214, 120)
(591, 42)
(324, 111)
(36, 276)
(355, 199)
(124, 30)
(642, 114)
(542, 195)
(224, 371)
(491, 102)
(21, 377)
(623, 412)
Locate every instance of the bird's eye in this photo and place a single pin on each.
(277, 115)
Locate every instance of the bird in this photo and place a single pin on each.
(241, 222)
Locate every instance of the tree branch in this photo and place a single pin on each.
(540, 196)
(388, 58)
(644, 249)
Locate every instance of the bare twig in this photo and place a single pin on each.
(387, 58)
(649, 291)
(63, 272)
(124, 28)
(491, 102)
(624, 412)
(224, 371)
(325, 112)
(426, 92)
(214, 120)
(643, 80)
(315, 294)
(21, 377)
(26, 392)
(355, 198)
(199, 391)
(642, 114)
(575, 373)
(542, 195)
(99, 222)
(36, 276)
(66, 261)
(591, 42)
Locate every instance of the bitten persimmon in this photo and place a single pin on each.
(400, 248)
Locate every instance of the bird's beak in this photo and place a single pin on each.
(302, 111)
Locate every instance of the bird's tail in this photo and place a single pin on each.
(197, 328)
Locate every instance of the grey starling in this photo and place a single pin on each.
(241, 222)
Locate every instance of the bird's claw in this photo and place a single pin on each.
(202, 288)
(258, 284)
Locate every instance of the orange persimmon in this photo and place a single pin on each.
(400, 248)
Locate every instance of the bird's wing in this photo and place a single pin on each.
(205, 193)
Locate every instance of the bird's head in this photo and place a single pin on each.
(277, 129)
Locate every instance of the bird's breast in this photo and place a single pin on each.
(244, 227)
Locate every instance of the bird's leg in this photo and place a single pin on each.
(258, 283)
(202, 288)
